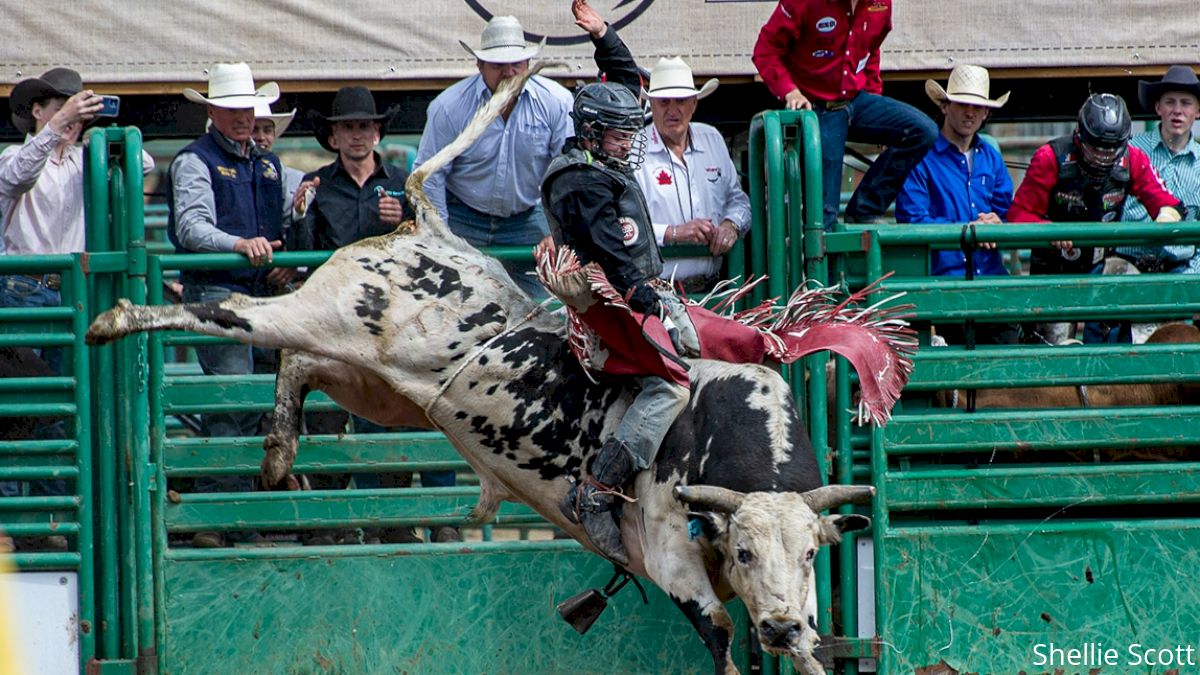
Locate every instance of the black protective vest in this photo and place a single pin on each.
(1077, 198)
(633, 217)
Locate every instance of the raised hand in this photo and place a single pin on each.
(587, 18)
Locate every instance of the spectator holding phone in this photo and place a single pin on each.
(41, 197)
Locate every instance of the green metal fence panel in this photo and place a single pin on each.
(414, 609)
(982, 599)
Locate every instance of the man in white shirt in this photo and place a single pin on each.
(688, 178)
(490, 195)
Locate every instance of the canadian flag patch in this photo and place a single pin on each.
(663, 177)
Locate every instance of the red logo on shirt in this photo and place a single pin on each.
(664, 178)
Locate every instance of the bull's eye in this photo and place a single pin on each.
(810, 554)
(744, 556)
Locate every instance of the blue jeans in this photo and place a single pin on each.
(650, 416)
(18, 290)
(870, 118)
(225, 360)
(522, 229)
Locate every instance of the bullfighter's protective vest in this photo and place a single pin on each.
(1076, 198)
(248, 198)
(633, 216)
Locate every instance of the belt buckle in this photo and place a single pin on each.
(52, 281)
(837, 105)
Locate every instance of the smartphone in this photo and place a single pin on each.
(109, 106)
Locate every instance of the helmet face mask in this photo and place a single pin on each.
(609, 119)
(1102, 133)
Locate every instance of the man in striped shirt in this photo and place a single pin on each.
(1175, 154)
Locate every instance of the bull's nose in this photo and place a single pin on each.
(778, 633)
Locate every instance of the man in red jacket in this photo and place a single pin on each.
(823, 55)
(1085, 177)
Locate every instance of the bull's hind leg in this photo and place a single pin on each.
(263, 322)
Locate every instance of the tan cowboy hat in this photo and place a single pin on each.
(503, 41)
(969, 85)
(230, 85)
(672, 78)
(262, 111)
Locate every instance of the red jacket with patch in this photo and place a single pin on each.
(819, 47)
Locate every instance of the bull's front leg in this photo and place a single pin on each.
(677, 565)
(280, 446)
(712, 621)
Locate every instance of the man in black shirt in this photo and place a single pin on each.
(358, 196)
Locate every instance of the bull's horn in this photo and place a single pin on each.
(710, 497)
(830, 496)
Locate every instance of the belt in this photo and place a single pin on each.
(833, 105)
(452, 199)
(51, 281)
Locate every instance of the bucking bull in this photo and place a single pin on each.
(417, 327)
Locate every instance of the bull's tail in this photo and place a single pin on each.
(508, 90)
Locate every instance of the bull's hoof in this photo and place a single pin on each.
(110, 325)
(279, 455)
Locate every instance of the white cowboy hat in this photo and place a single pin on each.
(672, 78)
(503, 41)
(230, 85)
(262, 111)
(969, 85)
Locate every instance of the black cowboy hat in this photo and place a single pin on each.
(55, 82)
(350, 103)
(1177, 78)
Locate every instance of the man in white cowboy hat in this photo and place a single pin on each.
(962, 179)
(228, 195)
(691, 186)
(490, 194)
(1175, 154)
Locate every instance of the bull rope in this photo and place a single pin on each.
(480, 350)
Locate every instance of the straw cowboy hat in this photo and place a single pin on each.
(349, 104)
(230, 85)
(1177, 78)
(503, 41)
(672, 78)
(52, 83)
(969, 85)
(262, 111)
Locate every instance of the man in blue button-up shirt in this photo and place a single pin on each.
(490, 195)
(961, 179)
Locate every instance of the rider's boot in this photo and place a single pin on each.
(592, 502)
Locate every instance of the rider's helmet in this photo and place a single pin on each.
(602, 106)
(1102, 133)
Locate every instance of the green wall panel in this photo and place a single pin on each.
(385, 611)
(982, 599)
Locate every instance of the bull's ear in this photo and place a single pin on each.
(833, 526)
(712, 525)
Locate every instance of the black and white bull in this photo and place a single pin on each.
(419, 326)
